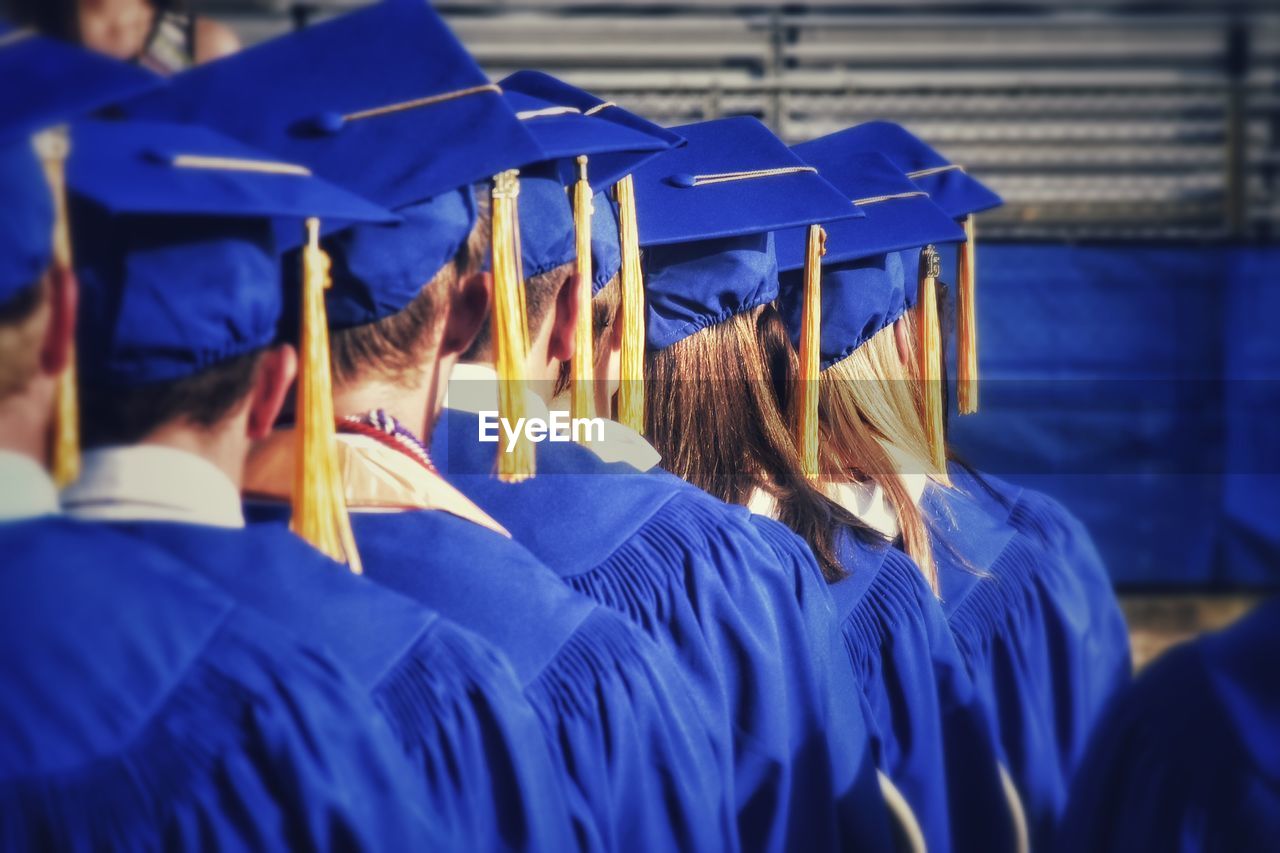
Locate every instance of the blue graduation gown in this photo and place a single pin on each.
(452, 702)
(929, 734)
(1187, 758)
(141, 708)
(698, 577)
(1042, 650)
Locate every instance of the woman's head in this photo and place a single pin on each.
(715, 414)
(871, 426)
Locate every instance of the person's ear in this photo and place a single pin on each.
(277, 369)
(468, 310)
(60, 334)
(902, 339)
(565, 320)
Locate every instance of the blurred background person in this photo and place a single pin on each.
(160, 35)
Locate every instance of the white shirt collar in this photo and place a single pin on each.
(763, 503)
(474, 388)
(26, 489)
(147, 482)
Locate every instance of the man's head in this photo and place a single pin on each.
(551, 307)
(182, 292)
(435, 328)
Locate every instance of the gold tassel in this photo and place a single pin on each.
(810, 355)
(930, 355)
(319, 501)
(53, 147)
(631, 388)
(966, 323)
(510, 329)
(582, 366)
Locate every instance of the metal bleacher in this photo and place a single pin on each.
(1096, 119)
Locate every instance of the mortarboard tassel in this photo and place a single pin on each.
(53, 147)
(930, 355)
(966, 323)
(319, 501)
(631, 389)
(582, 366)
(510, 328)
(810, 360)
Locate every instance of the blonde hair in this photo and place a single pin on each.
(868, 403)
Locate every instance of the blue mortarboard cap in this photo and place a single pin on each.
(387, 102)
(859, 298)
(177, 251)
(567, 121)
(956, 192)
(898, 214)
(48, 82)
(26, 219)
(606, 243)
(706, 216)
(546, 222)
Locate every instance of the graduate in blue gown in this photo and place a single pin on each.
(361, 101)
(1187, 758)
(713, 399)
(451, 701)
(754, 635)
(141, 708)
(1043, 639)
(736, 443)
(854, 304)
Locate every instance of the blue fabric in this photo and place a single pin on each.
(859, 298)
(451, 701)
(672, 209)
(606, 242)
(178, 265)
(627, 741)
(889, 223)
(1188, 758)
(292, 96)
(953, 190)
(299, 96)
(132, 168)
(49, 82)
(26, 219)
(379, 269)
(616, 139)
(1137, 376)
(929, 733)
(691, 286)
(546, 223)
(140, 708)
(1044, 642)
(709, 247)
(700, 578)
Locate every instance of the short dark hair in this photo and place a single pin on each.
(539, 295)
(112, 416)
(396, 346)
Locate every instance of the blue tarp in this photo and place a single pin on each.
(1140, 385)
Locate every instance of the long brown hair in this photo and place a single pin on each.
(714, 413)
(869, 402)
